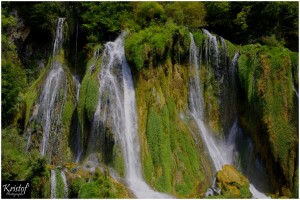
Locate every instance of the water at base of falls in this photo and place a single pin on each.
(53, 184)
(64, 178)
(116, 111)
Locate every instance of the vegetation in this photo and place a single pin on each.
(154, 44)
(170, 156)
(266, 76)
(157, 49)
(97, 186)
(13, 76)
(244, 22)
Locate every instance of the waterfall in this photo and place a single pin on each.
(58, 42)
(63, 176)
(211, 48)
(78, 149)
(50, 103)
(53, 184)
(116, 111)
(221, 152)
(197, 108)
(294, 88)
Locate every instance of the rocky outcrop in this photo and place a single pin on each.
(232, 183)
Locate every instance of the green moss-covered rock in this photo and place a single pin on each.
(170, 156)
(84, 184)
(232, 183)
(266, 75)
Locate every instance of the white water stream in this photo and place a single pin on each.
(117, 109)
(53, 184)
(47, 112)
(220, 152)
(64, 178)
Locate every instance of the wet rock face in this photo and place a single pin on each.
(232, 183)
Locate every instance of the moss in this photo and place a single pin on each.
(69, 108)
(170, 157)
(154, 44)
(88, 97)
(198, 36)
(266, 76)
(232, 183)
(32, 94)
(59, 185)
(15, 162)
(231, 49)
(101, 186)
(211, 95)
(118, 160)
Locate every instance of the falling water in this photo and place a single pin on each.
(116, 110)
(63, 176)
(78, 149)
(211, 48)
(220, 152)
(294, 88)
(53, 184)
(224, 50)
(196, 107)
(48, 110)
(58, 42)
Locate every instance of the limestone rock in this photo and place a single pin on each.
(232, 183)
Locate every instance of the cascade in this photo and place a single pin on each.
(48, 109)
(221, 152)
(116, 113)
(53, 184)
(294, 88)
(63, 176)
(196, 107)
(211, 48)
(223, 50)
(78, 149)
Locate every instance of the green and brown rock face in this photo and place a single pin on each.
(232, 183)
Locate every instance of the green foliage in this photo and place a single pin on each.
(101, 186)
(153, 45)
(13, 76)
(100, 18)
(40, 178)
(272, 41)
(89, 90)
(149, 13)
(170, 158)
(74, 187)
(68, 111)
(245, 22)
(118, 160)
(266, 76)
(42, 16)
(15, 162)
(241, 18)
(59, 185)
(32, 94)
(189, 14)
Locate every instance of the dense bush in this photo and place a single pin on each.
(154, 44)
(13, 75)
(188, 14)
(249, 22)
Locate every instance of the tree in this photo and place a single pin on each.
(189, 14)
(149, 13)
(13, 75)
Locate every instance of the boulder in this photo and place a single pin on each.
(232, 183)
